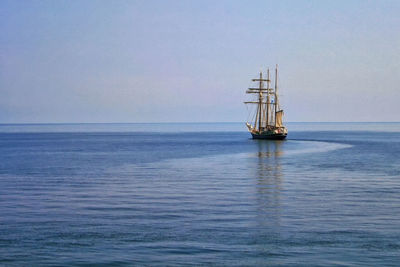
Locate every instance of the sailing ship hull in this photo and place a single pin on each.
(269, 136)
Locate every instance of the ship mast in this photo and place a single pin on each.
(260, 97)
(268, 100)
(276, 92)
(259, 115)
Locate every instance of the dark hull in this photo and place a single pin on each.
(269, 136)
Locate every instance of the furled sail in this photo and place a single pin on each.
(279, 115)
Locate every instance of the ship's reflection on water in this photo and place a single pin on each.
(268, 180)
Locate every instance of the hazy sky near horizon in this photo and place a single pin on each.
(191, 61)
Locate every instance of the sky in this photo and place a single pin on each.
(191, 61)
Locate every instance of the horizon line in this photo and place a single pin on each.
(183, 122)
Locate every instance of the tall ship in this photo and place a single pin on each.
(267, 119)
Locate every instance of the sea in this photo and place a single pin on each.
(199, 194)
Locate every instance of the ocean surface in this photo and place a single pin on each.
(199, 194)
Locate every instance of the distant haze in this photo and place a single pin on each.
(191, 61)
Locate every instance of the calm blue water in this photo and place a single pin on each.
(199, 194)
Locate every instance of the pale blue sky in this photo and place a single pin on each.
(173, 61)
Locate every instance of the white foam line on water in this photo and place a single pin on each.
(317, 147)
(287, 148)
